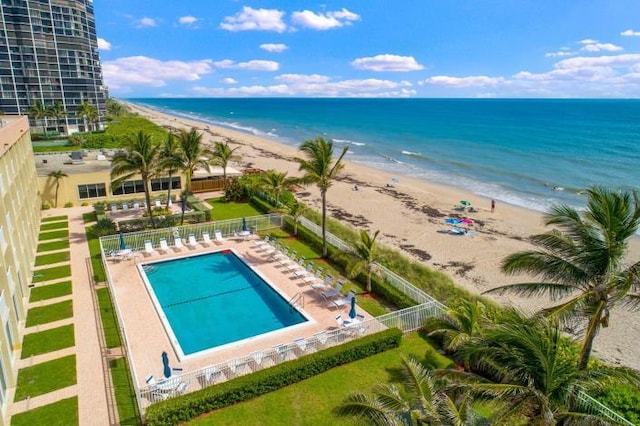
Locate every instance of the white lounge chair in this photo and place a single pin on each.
(261, 243)
(294, 266)
(114, 208)
(211, 375)
(345, 301)
(302, 273)
(325, 285)
(217, 235)
(333, 292)
(158, 203)
(164, 247)
(136, 207)
(125, 207)
(301, 344)
(206, 239)
(116, 257)
(177, 244)
(192, 243)
(150, 380)
(339, 321)
(148, 247)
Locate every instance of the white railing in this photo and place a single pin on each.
(593, 406)
(135, 240)
(331, 239)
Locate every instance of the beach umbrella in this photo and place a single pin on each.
(467, 221)
(394, 179)
(165, 363)
(465, 202)
(352, 312)
(122, 244)
(244, 224)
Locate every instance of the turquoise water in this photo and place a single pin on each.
(512, 150)
(213, 299)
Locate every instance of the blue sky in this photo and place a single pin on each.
(370, 48)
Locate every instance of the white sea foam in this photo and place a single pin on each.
(347, 141)
(411, 153)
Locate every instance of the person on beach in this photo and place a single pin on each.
(493, 205)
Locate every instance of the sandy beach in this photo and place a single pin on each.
(410, 216)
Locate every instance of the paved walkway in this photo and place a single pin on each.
(90, 387)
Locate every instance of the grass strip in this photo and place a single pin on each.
(53, 235)
(48, 259)
(55, 218)
(108, 317)
(223, 210)
(96, 260)
(49, 313)
(54, 273)
(46, 377)
(50, 291)
(53, 225)
(54, 245)
(125, 395)
(61, 413)
(48, 341)
(89, 217)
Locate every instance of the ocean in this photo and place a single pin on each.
(528, 152)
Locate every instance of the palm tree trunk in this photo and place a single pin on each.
(147, 197)
(369, 281)
(323, 193)
(57, 187)
(169, 190)
(590, 335)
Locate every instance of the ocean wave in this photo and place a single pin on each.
(415, 154)
(347, 141)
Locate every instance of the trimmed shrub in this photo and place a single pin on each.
(260, 204)
(46, 206)
(187, 407)
(68, 204)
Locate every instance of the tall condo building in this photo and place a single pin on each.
(49, 53)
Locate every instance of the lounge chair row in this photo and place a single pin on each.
(178, 244)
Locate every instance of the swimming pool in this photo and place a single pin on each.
(214, 299)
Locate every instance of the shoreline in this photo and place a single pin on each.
(410, 216)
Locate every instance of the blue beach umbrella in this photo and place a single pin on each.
(244, 224)
(394, 179)
(352, 312)
(165, 363)
(122, 244)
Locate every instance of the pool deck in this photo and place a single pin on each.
(145, 332)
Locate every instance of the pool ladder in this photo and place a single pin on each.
(297, 299)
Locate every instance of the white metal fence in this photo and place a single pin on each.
(592, 406)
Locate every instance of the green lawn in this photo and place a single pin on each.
(108, 317)
(54, 245)
(48, 341)
(46, 377)
(53, 225)
(54, 235)
(54, 273)
(49, 313)
(48, 259)
(55, 218)
(223, 210)
(94, 251)
(311, 402)
(125, 396)
(50, 291)
(61, 413)
(89, 217)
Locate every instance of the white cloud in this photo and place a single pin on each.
(103, 44)
(122, 73)
(323, 21)
(456, 82)
(187, 20)
(559, 54)
(302, 78)
(229, 80)
(274, 47)
(630, 33)
(387, 63)
(145, 22)
(629, 59)
(254, 65)
(588, 41)
(597, 47)
(255, 20)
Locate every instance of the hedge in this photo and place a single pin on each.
(187, 407)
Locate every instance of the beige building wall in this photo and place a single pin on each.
(19, 227)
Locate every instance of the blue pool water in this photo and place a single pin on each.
(213, 299)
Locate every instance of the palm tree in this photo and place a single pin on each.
(141, 156)
(170, 160)
(424, 402)
(295, 209)
(365, 257)
(57, 112)
(462, 322)
(37, 111)
(57, 175)
(524, 365)
(221, 156)
(583, 260)
(320, 168)
(192, 154)
(115, 108)
(88, 113)
(276, 182)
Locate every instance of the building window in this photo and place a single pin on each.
(92, 190)
(163, 184)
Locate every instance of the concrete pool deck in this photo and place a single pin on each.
(145, 332)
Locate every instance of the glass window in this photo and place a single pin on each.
(93, 190)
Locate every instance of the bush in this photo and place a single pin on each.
(68, 204)
(46, 206)
(104, 227)
(235, 191)
(624, 399)
(187, 407)
(84, 204)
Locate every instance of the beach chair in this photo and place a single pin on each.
(206, 239)
(261, 243)
(114, 208)
(115, 257)
(192, 243)
(136, 207)
(345, 301)
(150, 380)
(164, 247)
(217, 235)
(158, 203)
(324, 285)
(177, 244)
(125, 207)
(211, 375)
(339, 321)
(295, 265)
(301, 345)
(148, 248)
(303, 273)
(333, 292)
